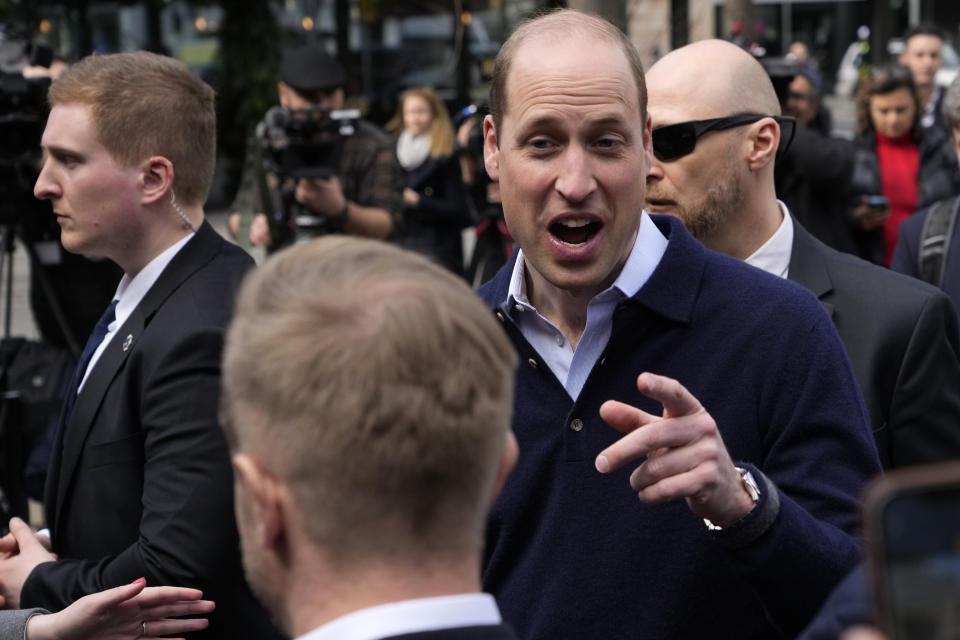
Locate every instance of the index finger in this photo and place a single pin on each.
(674, 397)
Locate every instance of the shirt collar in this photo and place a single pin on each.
(131, 291)
(411, 616)
(648, 249)
(773, 256)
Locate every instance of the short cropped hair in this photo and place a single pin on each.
(923, 29)
(379, 388)
(144, 104)
(560, 23)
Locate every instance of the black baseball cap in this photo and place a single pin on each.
(310, 68)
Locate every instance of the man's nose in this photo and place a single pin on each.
(45, 188)
(655, 172)
(576, 180)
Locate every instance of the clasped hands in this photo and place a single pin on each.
(20, 551)
(685, 455)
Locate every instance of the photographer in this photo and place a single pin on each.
(362, 196)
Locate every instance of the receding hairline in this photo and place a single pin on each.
(562, 25)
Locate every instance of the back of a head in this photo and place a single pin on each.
(144, 104)
(560, 25)
(379, 388)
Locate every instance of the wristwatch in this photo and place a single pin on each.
(753, 489)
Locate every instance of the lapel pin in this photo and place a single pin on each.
(128, 341)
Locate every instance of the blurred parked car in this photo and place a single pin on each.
(848, 74)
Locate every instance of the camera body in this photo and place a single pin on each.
(300, 144)
(23, 114)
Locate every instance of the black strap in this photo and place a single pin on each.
(935, 240)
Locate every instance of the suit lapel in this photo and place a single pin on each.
(807, 267)
(196, 253)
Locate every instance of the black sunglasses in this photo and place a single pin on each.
(677, 140)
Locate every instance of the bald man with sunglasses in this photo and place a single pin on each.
(693, 442)
(713, 168)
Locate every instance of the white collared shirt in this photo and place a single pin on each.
(572, 367)
(773, 256)
(411, 616)
(129, 293)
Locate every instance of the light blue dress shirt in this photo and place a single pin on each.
(572, 367)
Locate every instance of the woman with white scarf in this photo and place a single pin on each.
(434, 195)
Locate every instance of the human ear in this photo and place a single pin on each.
(491, 149)
(764, 140)
(156, 179)
(266, 499)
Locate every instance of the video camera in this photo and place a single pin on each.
(23, 113)
(782, 71)
(301, 143)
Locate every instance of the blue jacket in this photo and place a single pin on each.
(572, 553)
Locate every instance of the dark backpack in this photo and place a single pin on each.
(935, 240)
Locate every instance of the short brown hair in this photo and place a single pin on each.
(378, 388)
(143, 104)
(560, 23)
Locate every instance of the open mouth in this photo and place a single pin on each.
(575, 232)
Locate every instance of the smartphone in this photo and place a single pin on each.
(912, 525)
(878, 202)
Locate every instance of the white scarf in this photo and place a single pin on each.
(412, 150)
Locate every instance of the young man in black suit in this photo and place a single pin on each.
(140, 480)
(367, 396)
(900, 334)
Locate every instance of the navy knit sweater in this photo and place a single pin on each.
(572, 553)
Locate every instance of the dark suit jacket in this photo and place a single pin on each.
(433, 226)
(486, 632)
(907, 254)
(140, 482)
(901, 337)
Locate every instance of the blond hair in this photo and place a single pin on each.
(379, 388)
(144, 104)
(441, 129)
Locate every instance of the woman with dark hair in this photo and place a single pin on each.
(899, 167)
(436, 207)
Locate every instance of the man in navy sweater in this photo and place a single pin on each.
(651, 368)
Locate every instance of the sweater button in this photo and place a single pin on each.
(576, 424)
(500, 316)
(532, 363)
